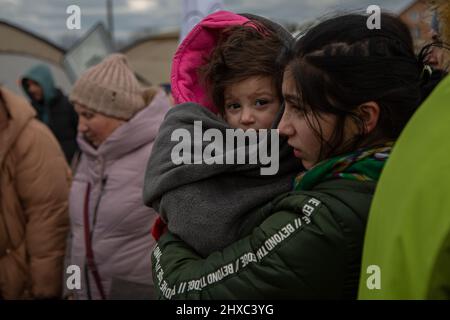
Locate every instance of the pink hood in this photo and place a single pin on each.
(191, 54)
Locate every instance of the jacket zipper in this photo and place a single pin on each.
(86, 268)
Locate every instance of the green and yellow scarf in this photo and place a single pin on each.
(364, 164)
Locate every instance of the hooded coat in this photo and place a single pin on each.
(55, 110)
(118, 219)
(304, 244)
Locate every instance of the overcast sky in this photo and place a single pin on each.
(47, 18)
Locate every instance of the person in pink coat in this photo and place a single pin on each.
(110, 225)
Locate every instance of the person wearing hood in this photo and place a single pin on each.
(228, 73)
(34, 191)
(52, 107)
(110, 224)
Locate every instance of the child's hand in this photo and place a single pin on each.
(159, 228)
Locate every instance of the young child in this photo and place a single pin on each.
(227, 74)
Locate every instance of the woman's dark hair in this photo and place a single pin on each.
(253, 49)
(340, 64)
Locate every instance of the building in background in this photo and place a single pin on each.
(24, 51)
(150, 57)
(418, 15)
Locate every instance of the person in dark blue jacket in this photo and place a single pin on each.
(52, 107)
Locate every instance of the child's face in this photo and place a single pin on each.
(252, 103)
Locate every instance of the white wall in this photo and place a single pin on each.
(13, 66)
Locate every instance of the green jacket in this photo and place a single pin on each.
(307, 244)
(408, 233)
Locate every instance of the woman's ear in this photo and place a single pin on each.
(369, 112)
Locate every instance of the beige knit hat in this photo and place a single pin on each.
(110, 88)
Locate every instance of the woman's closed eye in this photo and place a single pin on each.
(87, 115)
(295, 107)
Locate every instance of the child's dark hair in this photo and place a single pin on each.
(243, 52)
(341, 64)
